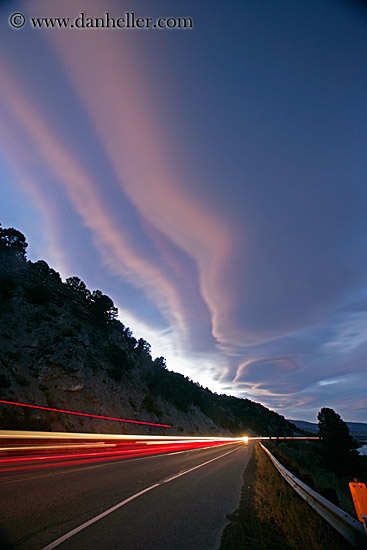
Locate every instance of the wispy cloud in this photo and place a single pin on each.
(140, 156)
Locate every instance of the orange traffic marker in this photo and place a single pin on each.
(359, 495)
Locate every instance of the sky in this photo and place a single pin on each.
(210, 180)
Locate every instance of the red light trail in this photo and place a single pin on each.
(31, 462)
(85, 414)
(30, 451)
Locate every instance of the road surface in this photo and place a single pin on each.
(174, 501)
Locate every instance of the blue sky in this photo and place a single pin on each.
(212, 181)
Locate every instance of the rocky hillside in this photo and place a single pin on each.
(61, 346)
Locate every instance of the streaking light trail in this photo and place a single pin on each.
(85, 414)
(28, 451)
(24, 450)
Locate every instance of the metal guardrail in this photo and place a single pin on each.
(342, 522)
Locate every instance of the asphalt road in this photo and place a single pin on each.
(175, 510)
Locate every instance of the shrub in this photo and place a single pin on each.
(4, 382)
(132, 404)
(22, 380)
(68, 331)
(150, 405)
(37, 294)
(7, 287)
(119, 360)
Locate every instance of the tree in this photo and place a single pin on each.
(143, 346)
(77, 285)
(44, 269)
(13, 241)
(102, 307)
(338, 446)
(128, 335)
(160, 362)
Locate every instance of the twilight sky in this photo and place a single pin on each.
(211, 181)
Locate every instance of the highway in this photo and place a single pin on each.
(175, 500)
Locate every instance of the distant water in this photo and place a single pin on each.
(363, 450)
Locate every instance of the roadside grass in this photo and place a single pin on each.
(304, 456)
(271, 516)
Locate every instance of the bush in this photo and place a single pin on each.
(150, 405)
(22, 380)
(7, 287)
(68, 331)
(120, 362)
(37, 294)
(119, 358)
(4, 382)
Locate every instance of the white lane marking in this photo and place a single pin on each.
(62, 539)
(93, 520)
